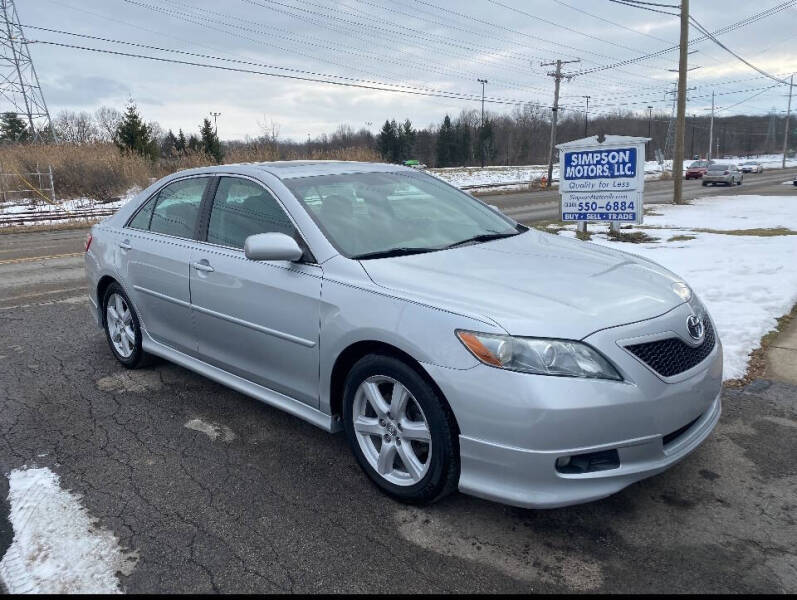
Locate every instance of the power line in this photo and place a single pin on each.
(627, 3)
(742, 23)
(395, 89)
(713, 38)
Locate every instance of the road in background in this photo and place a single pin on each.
(531, 206)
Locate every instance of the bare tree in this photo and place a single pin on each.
(76, 127)
(107, 120)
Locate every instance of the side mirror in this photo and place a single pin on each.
(272, 246)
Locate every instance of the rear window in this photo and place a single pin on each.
(719, 167)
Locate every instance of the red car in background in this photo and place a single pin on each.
(697, 169)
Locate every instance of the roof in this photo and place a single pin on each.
(290, 169)
(609, 140)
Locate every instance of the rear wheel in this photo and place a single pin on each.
(705, 183)
(122, 328)
(401, 432)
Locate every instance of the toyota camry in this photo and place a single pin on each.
(456, 348)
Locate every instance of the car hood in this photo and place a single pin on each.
(534, 284)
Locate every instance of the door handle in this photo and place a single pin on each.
(125, 245)
(203, 266)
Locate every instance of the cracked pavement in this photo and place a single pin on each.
(217, 492)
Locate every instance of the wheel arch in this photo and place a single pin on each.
(102, 286)
(349, 356)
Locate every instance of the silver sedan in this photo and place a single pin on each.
(456, 348)
(723, 173)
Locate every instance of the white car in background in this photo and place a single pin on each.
(751, 167)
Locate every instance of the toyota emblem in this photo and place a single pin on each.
(694, 325)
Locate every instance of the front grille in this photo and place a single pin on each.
(673, 356)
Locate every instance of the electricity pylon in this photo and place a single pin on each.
(20, 91)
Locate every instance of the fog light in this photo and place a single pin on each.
(562, 461)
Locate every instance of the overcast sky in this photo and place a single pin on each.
(431, 44)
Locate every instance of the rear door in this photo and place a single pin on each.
(256, 319)
(157, 250)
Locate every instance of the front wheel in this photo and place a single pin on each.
(401, 432)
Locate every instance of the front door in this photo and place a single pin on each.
(258, 320)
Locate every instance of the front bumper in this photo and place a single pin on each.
(514, 426)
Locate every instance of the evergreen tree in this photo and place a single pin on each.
(194, 143)
(133, 135)
(387, 140)
(181, 145)
(12, 128)
(406, 140)
(445, 143)
(169, 144)
(210, 141)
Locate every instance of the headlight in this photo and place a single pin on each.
(539, 356)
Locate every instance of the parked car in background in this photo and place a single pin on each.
(726, 173)
(795, 180)
(751, 166)
(457, 348)
(697, 169)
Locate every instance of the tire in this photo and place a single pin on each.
(705, 184)
(740, 181)
(136, 357)
(438, 458)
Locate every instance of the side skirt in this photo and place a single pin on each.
(244, 386)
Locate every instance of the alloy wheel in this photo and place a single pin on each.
(119, 318)
(392, 430)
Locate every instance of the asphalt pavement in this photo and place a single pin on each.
(263, 502)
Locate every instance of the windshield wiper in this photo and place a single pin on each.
(484, 237)
(393, 252)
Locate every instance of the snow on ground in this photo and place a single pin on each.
(57, 548)
(745, 281)
(61, 211)
(471, 176)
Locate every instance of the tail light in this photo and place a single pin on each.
(88, 241)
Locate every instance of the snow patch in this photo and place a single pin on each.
(213, 430)
(58, 548)
(745, 281)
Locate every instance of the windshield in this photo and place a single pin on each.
(698, 164)
(364, 214)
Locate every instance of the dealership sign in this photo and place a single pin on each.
(602, 180)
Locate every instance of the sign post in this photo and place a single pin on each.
(602, 180)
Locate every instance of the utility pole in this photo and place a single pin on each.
(215, 116)
(557, 75)
(711, 127)
(19, 83)
(586, 116)
(481, 127)
(680, 128)
(788, 114)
